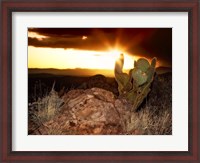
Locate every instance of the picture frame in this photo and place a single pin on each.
(10, 6)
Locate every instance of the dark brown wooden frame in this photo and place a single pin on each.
(9, 6)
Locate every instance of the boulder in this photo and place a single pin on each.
(100, 81)
(91, 111)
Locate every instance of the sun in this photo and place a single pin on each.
(116, 53)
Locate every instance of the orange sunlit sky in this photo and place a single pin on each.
(97, 48)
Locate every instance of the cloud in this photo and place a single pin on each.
(75, 43)
(148, 42)
(69, 38)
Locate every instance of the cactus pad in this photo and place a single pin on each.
(142, 64)
(153, 62)
(138, 76)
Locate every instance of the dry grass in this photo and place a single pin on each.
(151, 121)
(44, 109)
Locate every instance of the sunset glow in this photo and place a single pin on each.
(84, 37)
(97, 49)
(71, 58)
(60, 58)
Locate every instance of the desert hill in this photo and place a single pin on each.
(93, 107)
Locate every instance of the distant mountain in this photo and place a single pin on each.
(85, 72)
(72, 72)
(162, 70)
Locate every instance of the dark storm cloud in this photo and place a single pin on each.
(65, 32)
(148, 42)
(71, 38)
(73, 42)
(159, 45)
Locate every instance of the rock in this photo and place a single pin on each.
(100, 81)
(90, 111)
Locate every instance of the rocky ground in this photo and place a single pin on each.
(95, 109)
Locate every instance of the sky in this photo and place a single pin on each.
(97, 48)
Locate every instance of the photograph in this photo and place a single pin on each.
(99, 81)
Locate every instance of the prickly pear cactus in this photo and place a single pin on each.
(142, 74)
(135, 86)
(123, 79)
